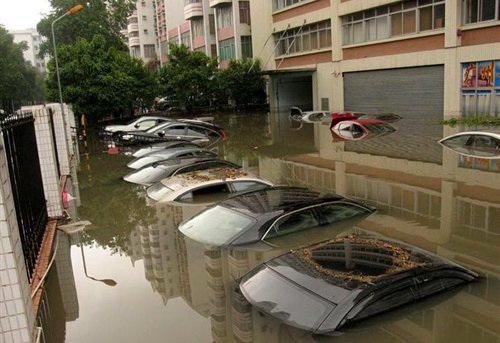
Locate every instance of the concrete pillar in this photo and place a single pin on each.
(17, 319)
(340, 178)
(63, 152)
(48, 161)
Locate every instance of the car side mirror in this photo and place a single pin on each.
(137, 126)
(161, 134)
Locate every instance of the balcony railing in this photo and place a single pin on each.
(193, 10)
(134, 41)
(133, 27)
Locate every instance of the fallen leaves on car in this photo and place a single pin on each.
(388, 258)
(213, 174)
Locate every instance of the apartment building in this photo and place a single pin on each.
(33, 41)
(412, 57)
(141, 31)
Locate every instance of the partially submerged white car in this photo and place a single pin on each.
(308, 116)
(171, 154)
(206, 186)
(480, 144)
(139, 124)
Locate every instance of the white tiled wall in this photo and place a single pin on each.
(60, 127)
(47, 155)
(17, 320)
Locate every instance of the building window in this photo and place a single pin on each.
(213, 50)
(246, 46)
(244, 12)
(481, 88)
(186, 39)
(226, 49)
(132, 20)
(480, 10)
(144, 17)
(211, 23)
(133, 34)
(225, 17)
(197, 28)
(135, 51)
(394, 20)
(149, 51)
(145, 31)
(174, 40)
(279, 4)
(311, 37)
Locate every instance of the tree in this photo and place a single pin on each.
(188, 77)
(20, 82)
(243, 85)
(99, 80)
(99, 17)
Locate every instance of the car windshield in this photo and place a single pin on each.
(379, 128)
(271, 293)
(216, 225)
(155, 128)
(158, 191)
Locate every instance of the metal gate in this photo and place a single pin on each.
(26, 182)
(409, 92)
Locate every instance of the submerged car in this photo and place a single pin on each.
(159, 171)
(360, 129)
(480, 144)
(187, 130)
(308, 116)
(329, 285)
(267, 214)
(205, 186)
(139, 124)
(170, 154)
(164, 146)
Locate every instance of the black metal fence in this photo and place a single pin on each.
(26, 181)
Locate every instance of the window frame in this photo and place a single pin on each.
(466, 16)
(291, 41)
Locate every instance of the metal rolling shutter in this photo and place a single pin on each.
(412, 92)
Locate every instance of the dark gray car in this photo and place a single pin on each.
(328, 285)
(158, 171)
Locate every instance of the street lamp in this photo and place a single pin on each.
(72, 10)
(109, 282)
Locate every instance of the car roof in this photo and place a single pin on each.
(153, 117)
(379, 262)
(173, 151)
(273, 199)
(206, 177)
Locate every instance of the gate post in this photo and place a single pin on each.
(17, 320)
(48, 160)
(60, 127)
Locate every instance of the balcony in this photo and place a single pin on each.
(133, 27)
(134, 41)
(216, 3)
(193, 10)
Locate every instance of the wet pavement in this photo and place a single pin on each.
(135, 278)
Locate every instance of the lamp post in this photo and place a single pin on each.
(72, 10)
(108, 282)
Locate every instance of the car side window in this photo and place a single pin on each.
(340, 211)
(205, 154)
(457, 141)
(145, 124)
(244, 186)
(186, 155)
(484, 142)
(175, 130)
(197, 131)
(298, 221)
(210, 193)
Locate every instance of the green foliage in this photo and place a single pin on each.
(188, 77)
(20, 82)
(99, 80)
(193, 79)
(473, 121)
(98, 17)
(243, 85)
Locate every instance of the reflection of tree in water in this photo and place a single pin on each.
(113, 206)
(246, 131)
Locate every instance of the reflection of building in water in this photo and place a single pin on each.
(172, 266)
(440, 206)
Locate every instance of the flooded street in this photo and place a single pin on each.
(138, 279)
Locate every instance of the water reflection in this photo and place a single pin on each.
(427, 196)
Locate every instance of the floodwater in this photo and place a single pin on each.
(132, 277)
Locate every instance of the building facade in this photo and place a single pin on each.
(410, 57)
(33, 41)
(141, 31)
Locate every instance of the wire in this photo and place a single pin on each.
(48, 267)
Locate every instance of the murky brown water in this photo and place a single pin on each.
(171, 289)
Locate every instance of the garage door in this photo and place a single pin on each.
(416, 94)
(406, 91)
(293, 91)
